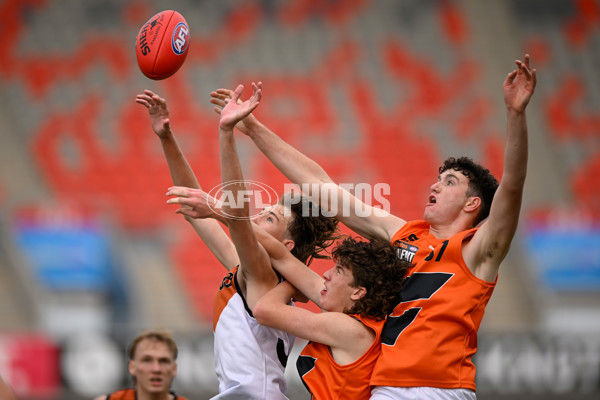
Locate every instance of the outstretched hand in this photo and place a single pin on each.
(220, 98)
(519, 86)
(235, 110)
(158, 111)
(196, 203)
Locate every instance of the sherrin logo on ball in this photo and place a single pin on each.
(162, 44)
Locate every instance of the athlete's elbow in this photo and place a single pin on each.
(261, 313)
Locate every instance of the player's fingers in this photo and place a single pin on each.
(226, 92)
(177, 191)
(217, 95)
(143, 96)
(519, 64)
(237, 93)
(526, 71)
(142, 102)
(527, 60)
(218, 110)
(511, 76)
(159, 100)
(184, 201)
(219, 102)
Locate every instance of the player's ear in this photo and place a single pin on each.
(131, 368)
(358, 293)
(472, 204)
(289, 244)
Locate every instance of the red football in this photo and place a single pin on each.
(162, 44)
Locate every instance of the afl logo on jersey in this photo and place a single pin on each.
(405, 251)
(180, 40)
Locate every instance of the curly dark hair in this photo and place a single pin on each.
(311, 231)
(376, 267)
(482, 183)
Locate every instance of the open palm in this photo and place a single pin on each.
(235, 111)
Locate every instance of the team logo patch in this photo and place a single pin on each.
(405, 251)
(180, 40)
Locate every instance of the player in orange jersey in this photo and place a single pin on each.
(356, 294)
(456, 250)
(153, 366)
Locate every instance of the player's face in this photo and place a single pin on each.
(447, 197)
(336, 295)
(153, 367)
(274, 220)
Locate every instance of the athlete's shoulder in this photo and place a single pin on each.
(415, 227)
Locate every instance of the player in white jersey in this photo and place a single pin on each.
(250, 359)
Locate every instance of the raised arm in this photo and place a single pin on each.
(298, 168)
(489, 246)
(334, 329)
(182, 174)
(255, 266)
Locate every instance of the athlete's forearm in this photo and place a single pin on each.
(296, 166)
(516, 150)
(231, 170)
(179, 168)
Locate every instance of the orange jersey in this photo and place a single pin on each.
(129, 394)
(326, 379)
(227, 289)
(431, 335)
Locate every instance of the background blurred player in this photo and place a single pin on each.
(153, 367)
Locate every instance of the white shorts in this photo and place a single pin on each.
(420, 393)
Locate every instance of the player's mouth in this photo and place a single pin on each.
(324, 290)
(156, 381)
(432, 200)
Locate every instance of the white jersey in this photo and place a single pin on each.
(250, 358)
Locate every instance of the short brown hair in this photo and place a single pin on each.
(376, 267)
(158, 335)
